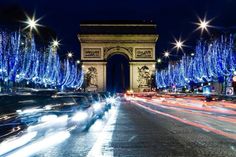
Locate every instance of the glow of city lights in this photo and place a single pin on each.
(158, 60)
(234, 72)
(70, 55)
(166, 54)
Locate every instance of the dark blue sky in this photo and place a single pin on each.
(173, 17)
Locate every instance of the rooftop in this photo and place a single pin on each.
(118, 27)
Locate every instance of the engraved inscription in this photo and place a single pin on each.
(92, 53)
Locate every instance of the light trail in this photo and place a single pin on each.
(199, 108)
(46, 142)
(105, 137)
(16, 142)
(198, 112)
(201, 126)
(13, 130)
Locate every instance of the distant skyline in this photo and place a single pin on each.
(174, 19)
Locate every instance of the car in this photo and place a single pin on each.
(99, 104)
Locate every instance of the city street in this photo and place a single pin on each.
(146, 127)
(110, 79)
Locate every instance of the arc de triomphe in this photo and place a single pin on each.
(137, 41)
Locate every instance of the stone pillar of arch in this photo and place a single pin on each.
(97, 47)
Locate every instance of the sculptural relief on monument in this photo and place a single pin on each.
(144, 77)
(91, 77)
(126, 50)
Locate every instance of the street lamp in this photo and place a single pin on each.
(78, 61)
(70, 55)
(55, 43)
(159, 60)
(192, 54)
(179, 44)
(203, 24)
(166, 54)
(32, 23)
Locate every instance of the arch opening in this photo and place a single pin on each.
(118, 71)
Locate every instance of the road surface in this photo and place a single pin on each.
(140, 127)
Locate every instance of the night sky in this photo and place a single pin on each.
(174, 18)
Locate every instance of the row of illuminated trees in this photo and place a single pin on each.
(21, 64)
(213, 61)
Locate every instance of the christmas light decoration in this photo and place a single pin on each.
(211, 61)
(23, 65)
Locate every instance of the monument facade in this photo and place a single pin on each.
(100, 41)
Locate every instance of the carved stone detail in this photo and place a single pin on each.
(112, 49)
(144, 77)
(91, 77)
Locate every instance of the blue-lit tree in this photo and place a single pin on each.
(212, 61)
(21, 64)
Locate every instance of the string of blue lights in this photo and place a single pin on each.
(212, 60)
(21, 64)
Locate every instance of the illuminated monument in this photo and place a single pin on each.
(134, 41)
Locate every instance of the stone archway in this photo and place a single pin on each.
(98, 46)
(118, 72)
(127, 51)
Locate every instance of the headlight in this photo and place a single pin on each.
(48, 118)
(111, 100)
(80, 116)
(97, 106)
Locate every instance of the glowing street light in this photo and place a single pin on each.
(78, 61)
(192, 54)
(179, 44)
(203, 25)
(159, 60)
(32, 23)
(70, 55)
(166, 54)
(55, 43)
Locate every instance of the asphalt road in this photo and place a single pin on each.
(130, 130)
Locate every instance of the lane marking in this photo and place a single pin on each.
(132, 138)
